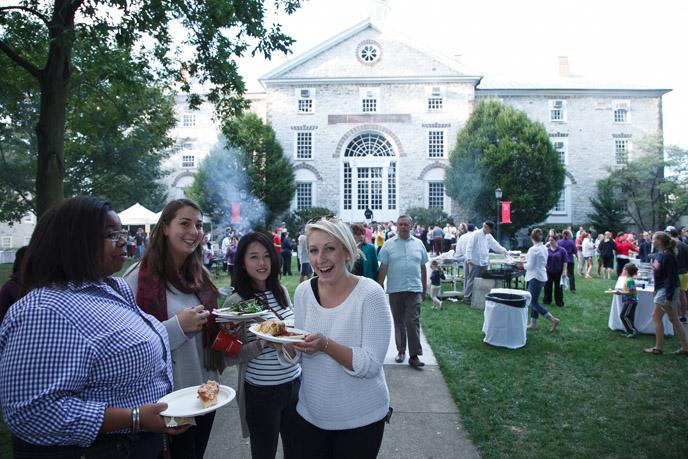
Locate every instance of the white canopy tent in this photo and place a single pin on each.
(138, 215)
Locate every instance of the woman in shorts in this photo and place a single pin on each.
(666, 293)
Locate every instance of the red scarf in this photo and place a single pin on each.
(151, 296)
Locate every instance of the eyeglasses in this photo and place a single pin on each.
(329, 218)
(115, 236)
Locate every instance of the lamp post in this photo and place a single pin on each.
(498, 195)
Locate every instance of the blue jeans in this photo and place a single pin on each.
(536, 309)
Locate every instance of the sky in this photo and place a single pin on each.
(632, 41)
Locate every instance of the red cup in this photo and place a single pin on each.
(227, 343)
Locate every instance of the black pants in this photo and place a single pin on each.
(570, 274)
(271, 411)
(114, 446)
(628, 315)
(360, 443)
(554, 282)
(286, 263)
(191, 444)
(620, 263)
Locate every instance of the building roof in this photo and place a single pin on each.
(574, 83)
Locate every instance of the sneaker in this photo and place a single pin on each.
(631, 335)
(400, 357)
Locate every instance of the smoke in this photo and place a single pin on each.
(223, 182)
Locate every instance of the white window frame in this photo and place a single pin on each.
(565, 148)
(186, 159)
(557, 104)
(621, 105)
(296, 145)
(369, 94)
(434, 93)
(427, 143)
(29, 219)
(189, 120)
(296, 195)
(299, 94)
(6, 242)
(616, 151)
(428, 185)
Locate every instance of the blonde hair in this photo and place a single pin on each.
(341, 232)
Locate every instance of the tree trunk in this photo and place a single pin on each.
(50, 130)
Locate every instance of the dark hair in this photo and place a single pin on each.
(357, 229)
(667, 242)
(18, 258)
(67, 244)
(631, 269)
(536, 235)
(490, 224)
(156, 255)
(241, 281)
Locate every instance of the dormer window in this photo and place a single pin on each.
(370, 100)
(305, 100)
(435, 99)
(622, 110)
(557, 111)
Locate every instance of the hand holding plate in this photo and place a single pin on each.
(151, 421)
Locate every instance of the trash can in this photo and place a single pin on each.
(506, 318)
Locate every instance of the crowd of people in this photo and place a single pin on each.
(86, 355)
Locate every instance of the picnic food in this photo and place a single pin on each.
(243, 307)
(208, 393)
(272, 327)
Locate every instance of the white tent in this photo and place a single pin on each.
(138, 215)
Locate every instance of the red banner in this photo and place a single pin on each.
(506, 211)
(236, 213)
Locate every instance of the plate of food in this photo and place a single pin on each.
(248, 309)
(197, 400)
(278, 332)
(610, 290)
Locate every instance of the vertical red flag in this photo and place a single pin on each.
(506, 211)
(236, 213)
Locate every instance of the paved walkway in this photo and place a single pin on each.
(425, 423)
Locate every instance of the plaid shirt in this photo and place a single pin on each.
(66, 354)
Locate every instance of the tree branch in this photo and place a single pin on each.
(35, 12)
(19, 60)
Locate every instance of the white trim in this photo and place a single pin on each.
(623, 104)
(628, 151)
(565, 148)
(567, 202)
(6, 242)
(298, 92)
(373, 80)
(296, 145)
(492, 92)
(296, 194)
(427, 143)
(369, 93)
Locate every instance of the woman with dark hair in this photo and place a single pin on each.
(172, 284)
(666, 293)
(268, 387)
(10, 289)
(79, 360)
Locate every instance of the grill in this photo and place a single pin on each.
(506, 273)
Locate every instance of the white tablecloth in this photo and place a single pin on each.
(505, 326)
(643, 313)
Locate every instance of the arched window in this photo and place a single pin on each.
(369, 144)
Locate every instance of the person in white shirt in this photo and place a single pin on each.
(305, 269)
(224, 245)
(588, 254)
(477, 255)
(461, 246)
(536, 278)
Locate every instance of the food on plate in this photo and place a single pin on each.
(243, 307)
(272, 327)
(208, 393)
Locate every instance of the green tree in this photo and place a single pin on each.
(501, 147)
(609, 211)
(216, 31)
(299, 218)
(425, 217)
(270, 173)
(654, 186)
(220, 182)
(117, 117)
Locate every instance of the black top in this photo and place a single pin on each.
(682, 257)
(606, 248)
(666, 273)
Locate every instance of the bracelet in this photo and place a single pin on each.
(327, 343)
(135, 420)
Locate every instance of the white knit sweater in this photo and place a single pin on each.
(331, 396)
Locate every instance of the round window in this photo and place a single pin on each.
(368, 52)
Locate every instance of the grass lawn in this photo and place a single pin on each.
(584, 391)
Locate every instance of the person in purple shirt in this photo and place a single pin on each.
(567, 244)
(9, 293)
(556, 269)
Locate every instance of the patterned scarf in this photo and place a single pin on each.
(151, 297)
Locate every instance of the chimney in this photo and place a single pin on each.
(378, 10)
(564, 67)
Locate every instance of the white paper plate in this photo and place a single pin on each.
(239, 315)
(185, 402)
(278, 339)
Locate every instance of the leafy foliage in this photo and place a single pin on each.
(425, 217)
(203, 50)
(501, 147)
(270, 173)
(654, 186)
(299, 218)
(609, 211)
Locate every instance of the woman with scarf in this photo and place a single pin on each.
(268, 387)
(172, 284)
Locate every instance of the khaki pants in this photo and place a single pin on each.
(406, 314)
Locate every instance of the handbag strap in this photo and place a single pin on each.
(314, 286)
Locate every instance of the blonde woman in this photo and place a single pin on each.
(343, 400)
